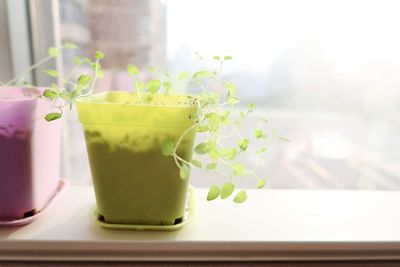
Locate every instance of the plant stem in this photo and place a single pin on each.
(28, 70)
(179, 142)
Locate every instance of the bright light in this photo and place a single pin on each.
(349, 33)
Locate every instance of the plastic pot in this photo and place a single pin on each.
(29, 154)
(133, 182)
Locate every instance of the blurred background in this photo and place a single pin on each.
(325, 73)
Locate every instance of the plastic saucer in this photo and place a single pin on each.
(188, 216)
(62, 186)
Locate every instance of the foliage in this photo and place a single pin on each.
(218, 114)
(70, 87)
(74, 85)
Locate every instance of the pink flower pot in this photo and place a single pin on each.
(29, 154)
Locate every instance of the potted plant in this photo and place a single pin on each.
(140, 146)
(29, 146)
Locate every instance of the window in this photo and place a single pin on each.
(326, 73)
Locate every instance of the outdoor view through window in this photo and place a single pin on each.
(325, 73)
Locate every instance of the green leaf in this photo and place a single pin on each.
(251, 107)
(96, 66)
(214, 120)
(196, 163)
(228, 58)
(87, 60)
(66, 95)
(231, 89)
(55, 88)
(240, 197)
(77, 61)
(133, 70)
(53, 116)
(201, 148)
(53, 51)
(243, 144)
(167, 147)
(213, 192)
(227, 190)
(225, 117)
(213, 153)
(283, 138)
(84, 80)
(203, 74)
(99, 55)
(233, 100)
(70, 45)
(50, 94)
(153, 86)
(260, 183)
(202, 128)
(228, 153)
(100, 74)
(184, 171)
(238, 169)
(53, 73)
(182, 75)
(212, 166)
(258, 133)
(216, 58)
(167, 86)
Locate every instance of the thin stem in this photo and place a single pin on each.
(69, 75)
(184, 134)
(22, 74)
(192, 165)
(138, 90)
(235, 130)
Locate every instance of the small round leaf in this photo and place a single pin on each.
(196, 163)
(99, 55)
(213, 192)
(260, 183)
(240, 197)
(227, 190)
(184, 171)
(201, 148)
(238, 169)
(212, 166)
(53, 73)
(167, 147)
(133, 70)
(52, 51)
(52, 116)
(50, 94)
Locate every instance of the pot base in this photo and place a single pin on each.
(32, 215)
(189, 215)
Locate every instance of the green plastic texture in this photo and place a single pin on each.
(189, 216)
(133, 182)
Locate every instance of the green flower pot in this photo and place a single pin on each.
(133, 182)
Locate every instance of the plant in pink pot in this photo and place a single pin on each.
(30, 143)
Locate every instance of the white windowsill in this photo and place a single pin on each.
(271, 225)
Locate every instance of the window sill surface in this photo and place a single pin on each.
(271, 225)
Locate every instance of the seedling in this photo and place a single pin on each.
(218, 114)
(69, 89)
(73, 85)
